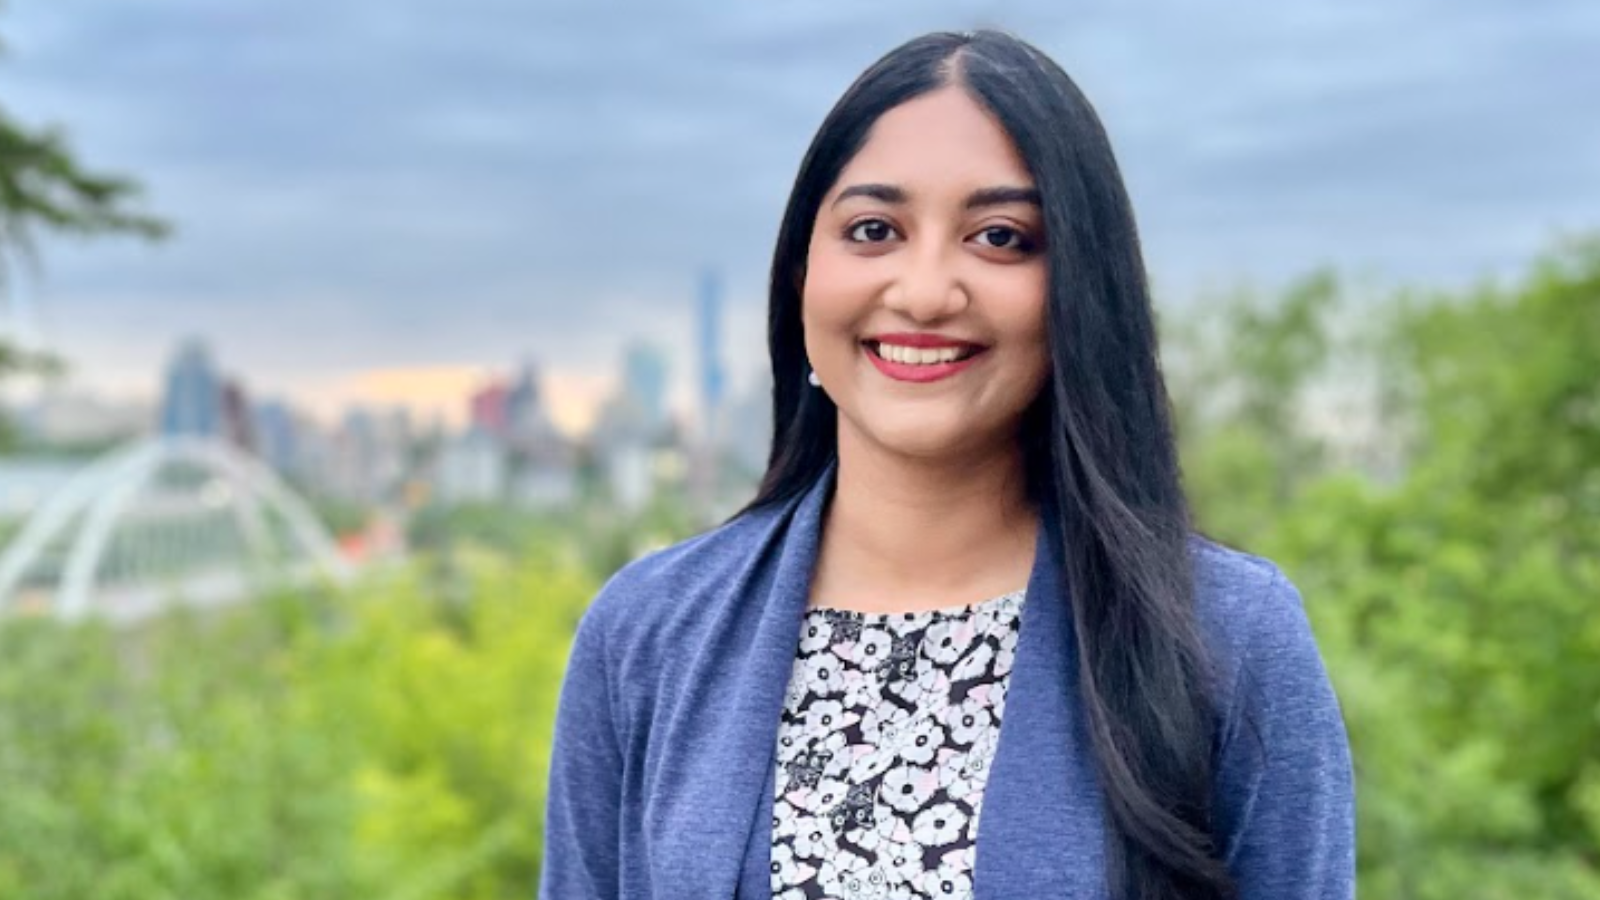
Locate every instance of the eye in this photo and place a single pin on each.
(1004, 237)
(870, 231)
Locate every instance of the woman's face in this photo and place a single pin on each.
(929, 246)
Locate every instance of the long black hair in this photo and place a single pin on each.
(1098, 444)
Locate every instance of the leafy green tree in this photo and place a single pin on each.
(390, 742)
(452, 702)
(45, 190)
(1456, 606)
(1242, 369)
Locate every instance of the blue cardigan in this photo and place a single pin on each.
(661, 773)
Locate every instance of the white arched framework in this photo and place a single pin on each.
(100, 496)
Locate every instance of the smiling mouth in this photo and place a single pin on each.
(966, 352)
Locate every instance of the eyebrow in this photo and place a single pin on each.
(1000, 196)
(994, 196)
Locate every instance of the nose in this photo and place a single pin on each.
(928, 287)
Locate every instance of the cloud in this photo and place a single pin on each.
(369, 184)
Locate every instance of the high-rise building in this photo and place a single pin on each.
(711, 372)
(470, 468)
(748, 425)
(238, 415)
(522, 395)
(368, 459)
(487, 411)
(644, 381)
(191, 403)
(633, 438)
(276, 442)
(527, 424)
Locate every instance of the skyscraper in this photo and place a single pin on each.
(644, 379)
(276, 436)
(191, 403)
(487, 408)
(711, 372)
(238, 419)
(525, 419)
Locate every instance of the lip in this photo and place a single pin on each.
(922, 373)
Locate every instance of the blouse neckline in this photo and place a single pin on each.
(961, 611)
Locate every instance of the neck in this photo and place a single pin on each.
(902, 533)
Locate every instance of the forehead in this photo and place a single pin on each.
(941, 141)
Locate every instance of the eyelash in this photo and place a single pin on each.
(1024, 244)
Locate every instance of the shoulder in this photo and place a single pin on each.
(1251, 612)
(1284, 780)
(1242, 599)
(1269, 666)
(667, 590)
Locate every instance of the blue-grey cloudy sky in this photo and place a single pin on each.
(381, 185)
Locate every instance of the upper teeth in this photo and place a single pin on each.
(918, 356)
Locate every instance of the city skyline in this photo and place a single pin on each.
(376, 206)
(185, 395)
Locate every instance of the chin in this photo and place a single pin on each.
(918, 441)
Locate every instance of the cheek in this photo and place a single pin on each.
(834, 290)
(1019, 307)
(1023, 323)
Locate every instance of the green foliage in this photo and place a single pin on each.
(378, 744)
(603, 538)
(42, 187)
(1456, 608)
(488, 526)
(454, 700)
(1244, 371)
(339, 516)
(135, 766)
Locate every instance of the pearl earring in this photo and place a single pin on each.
(812, 377)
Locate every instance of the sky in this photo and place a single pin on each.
(381, 200)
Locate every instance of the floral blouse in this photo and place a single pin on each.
(889, 727)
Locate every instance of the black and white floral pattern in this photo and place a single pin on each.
(889, 727)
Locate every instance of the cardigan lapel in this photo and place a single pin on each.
(1039, 834)
(736, 765)
(1039, 824)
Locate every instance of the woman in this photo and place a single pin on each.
(968, 589)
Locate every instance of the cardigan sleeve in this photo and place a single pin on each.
(1286, 804)
(582, 805)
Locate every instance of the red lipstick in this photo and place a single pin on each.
(921, 372)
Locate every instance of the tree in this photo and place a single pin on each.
(1454, 606)
(1242, 369)
(45, 190)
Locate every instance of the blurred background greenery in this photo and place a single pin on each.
(388, 740)
(386, 737)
